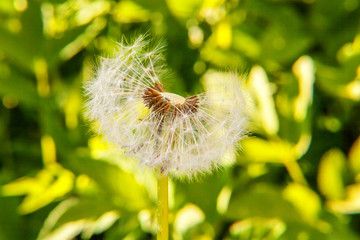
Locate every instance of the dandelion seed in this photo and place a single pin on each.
(182, 135)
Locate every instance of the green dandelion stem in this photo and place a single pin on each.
(162, 210)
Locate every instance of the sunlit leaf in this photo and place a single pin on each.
(7, 6)
(187, 217)
(224, 35)
(258, 228)
(305, 200)
(147, 221)
(343, 82)
(183, 9)
(354, 156)
(48, 150)
(22, 186)
(259, 150)
(74, 47)
(261, 89)
(49, 185)
(223, 199)
(91, 10)
(330, 180)
(75, 216)
(72, 109)
(351, 204)
(304, 70)
(130, 12)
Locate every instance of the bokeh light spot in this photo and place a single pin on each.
(10, 101)
(20, 5)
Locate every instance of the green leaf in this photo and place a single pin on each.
(340, 82)
(338, 228)
(117, 183)
(9, 219)
(301, 230)
(17, 86)
(262, 200)
(127, 225)
(17, 45)
(193, 192)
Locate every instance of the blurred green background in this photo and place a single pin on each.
(296, 177)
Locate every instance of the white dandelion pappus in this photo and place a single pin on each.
(184, 136)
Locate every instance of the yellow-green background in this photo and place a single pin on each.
(297, 177)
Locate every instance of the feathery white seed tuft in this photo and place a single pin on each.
(185, 136)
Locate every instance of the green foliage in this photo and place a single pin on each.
(296, 177)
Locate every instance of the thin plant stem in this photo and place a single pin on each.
(295, 172)
(162, 207)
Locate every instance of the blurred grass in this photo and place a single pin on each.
(296, 177)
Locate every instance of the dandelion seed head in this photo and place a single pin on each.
(182, 135)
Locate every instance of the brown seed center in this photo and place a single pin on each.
(159, 101)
